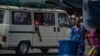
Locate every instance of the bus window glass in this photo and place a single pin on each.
(1, 15)
(63, 20)
(44, 18)
(49, 19)
(21, 17)
(38, 17)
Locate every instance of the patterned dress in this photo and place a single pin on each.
(77, 34)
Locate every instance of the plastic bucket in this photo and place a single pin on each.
(67, 55)
(68, 47)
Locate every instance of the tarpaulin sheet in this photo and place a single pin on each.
(91, 13)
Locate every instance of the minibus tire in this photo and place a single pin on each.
(44, 50)
(24, 51)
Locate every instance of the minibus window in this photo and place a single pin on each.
(44, 18)
(38, 17)
(21, 18)
(1, 15)
(63, 20)
(49, 19)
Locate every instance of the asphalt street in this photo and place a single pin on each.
(33, 52)
(37, 52)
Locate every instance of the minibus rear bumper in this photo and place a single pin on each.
(3, 46)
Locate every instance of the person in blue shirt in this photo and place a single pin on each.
(78, 34)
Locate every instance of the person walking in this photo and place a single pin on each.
(77, 34)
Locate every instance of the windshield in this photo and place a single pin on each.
(1, 15)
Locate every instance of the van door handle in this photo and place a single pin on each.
(58, 29)
(54, 29)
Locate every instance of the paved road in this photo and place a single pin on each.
(35, 52)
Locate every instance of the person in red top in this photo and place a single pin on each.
(37, 23)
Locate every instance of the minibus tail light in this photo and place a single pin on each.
(4, 39)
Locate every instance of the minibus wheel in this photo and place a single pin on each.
(44, 50)
(22, 48)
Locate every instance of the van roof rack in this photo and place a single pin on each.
(27, 8)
